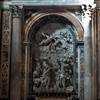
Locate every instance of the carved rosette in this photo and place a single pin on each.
(16, 10)
(88, 10)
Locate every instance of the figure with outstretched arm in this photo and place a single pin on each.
(47, 41)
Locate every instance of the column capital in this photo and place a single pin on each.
(27, 43)
(16, 10)
(88, 10)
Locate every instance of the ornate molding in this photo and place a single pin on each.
(5, 54)
(16, 10)
(88, 10)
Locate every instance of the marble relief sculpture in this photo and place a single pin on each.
(54, 71)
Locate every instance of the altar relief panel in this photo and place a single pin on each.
(53, 59)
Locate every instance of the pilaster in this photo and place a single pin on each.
(16, 52)
(88, 10)
(5, 54)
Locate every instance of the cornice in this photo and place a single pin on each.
(5, 4)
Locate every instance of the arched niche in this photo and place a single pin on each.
(51, 55)
(66, 14)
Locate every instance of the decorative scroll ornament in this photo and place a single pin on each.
(88, 10)
(16, 10)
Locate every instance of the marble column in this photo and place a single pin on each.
(88, 70)
(27, 49)
(16, 53)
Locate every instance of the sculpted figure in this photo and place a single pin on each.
(47, 41)
(36, 81)
(55, 71)
(36, 76)
(45, 78)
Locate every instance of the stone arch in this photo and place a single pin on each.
(68, 15)
(33, 19)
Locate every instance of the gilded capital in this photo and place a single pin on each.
(88, 10)
(16, 10)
